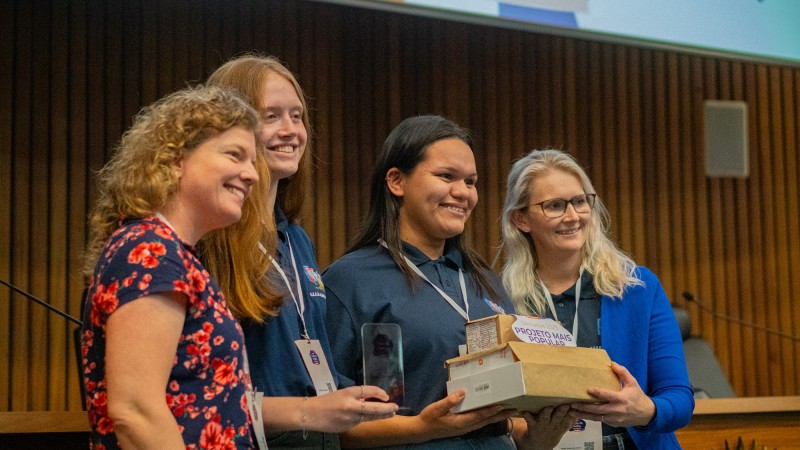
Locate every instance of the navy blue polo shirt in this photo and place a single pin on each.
(366, 286)
(589, 315)
(276, 366)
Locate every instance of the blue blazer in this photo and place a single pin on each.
(640, 332)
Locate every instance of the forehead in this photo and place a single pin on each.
(277, 90)
(450, 152)
(554, 183)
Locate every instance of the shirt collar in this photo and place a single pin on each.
(587, 289)
(281, 222)
(451, 255)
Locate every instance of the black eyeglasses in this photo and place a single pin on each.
(557, 207)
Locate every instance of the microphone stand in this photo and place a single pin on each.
(689, 297)
(42, 302)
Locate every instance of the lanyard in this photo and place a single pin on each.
(456, 306)
(577, 301)
(299, 303)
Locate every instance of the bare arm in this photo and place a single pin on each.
(141, 341)
(330, 413)
(436, 421)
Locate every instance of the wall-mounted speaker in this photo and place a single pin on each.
(725, 125)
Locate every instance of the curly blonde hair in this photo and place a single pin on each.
(141, 175)
(612, 269)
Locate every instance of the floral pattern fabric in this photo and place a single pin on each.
(206, 391)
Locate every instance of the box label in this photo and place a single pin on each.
(481, 335)
(542, 331)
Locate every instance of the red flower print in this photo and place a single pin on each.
(214, 437)
(197, 279)
(201, 337)
(105, 425)
(219, 340)
(209, 392)
(145, 282)
(163, 233)
(147, 254)
(104, 302)
(224, 373)
(179, 403)
(174, 386)
(210, 413)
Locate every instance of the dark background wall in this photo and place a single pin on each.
(73, 73)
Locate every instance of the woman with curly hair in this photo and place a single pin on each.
(163, 357)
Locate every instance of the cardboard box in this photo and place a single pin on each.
(529, 376)
(492, 331)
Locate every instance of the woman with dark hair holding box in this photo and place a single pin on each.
(410, 266)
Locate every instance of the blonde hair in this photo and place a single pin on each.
(141, 176)
(230, 254)
(612, 269)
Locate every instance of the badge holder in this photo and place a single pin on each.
(383, 360)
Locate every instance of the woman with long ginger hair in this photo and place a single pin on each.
(302, 408)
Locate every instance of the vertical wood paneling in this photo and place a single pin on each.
(739, 280)
(59, 330)
(80, 186)
(793, 129)
(781, 236)
(638, 202)
(74, 73)
(20, 211)
(769, 277)
(7, 88)
(792, 217)
(757, 244)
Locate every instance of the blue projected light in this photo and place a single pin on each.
(758, 29)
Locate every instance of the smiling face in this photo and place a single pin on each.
(284, 134)
(437, 196)
(215, 179)
(554, 237)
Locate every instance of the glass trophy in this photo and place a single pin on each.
(383, 359)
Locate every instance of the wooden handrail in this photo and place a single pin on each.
(746, 405)
(44, 422)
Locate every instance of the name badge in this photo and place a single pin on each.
(585, 434)
(316, 365)
(254, 399)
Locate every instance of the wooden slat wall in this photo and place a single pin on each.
(73, 73)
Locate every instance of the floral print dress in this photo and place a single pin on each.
(207, 384)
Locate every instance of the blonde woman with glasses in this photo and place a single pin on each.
(561, 264)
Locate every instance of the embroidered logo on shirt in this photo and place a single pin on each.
(314, 277)
(495, 307)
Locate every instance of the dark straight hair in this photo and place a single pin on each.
(404, 149)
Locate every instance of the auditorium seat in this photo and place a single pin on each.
(705, 374)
